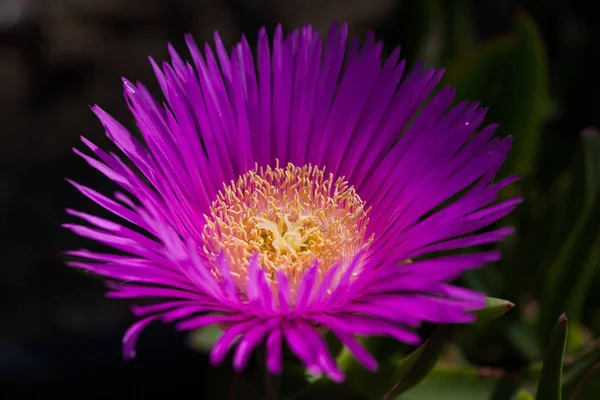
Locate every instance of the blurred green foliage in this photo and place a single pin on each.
(550, 266)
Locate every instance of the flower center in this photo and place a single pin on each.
(291, 218)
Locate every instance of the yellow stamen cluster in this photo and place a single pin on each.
(290, 217)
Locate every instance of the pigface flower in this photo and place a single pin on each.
(283, 193)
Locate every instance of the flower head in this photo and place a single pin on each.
(275, 194)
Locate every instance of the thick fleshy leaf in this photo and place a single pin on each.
(494, 309)
(510, 75)
(415, 367)
(396, 373)
(454, 384)
(591, 149)
(549, 387)
(581, 375)
(588, 386)
(544, 221)
(591, 153)
(570, 195)
(571, 272)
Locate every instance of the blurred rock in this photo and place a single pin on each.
(11, 11)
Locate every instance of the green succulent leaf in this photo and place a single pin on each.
(396, 373)
(591, 154)
(581, 376)
(510, 74)
(591, 150)
(571, 272)
(415, 367)
(450, 383)
(549, 386)
(495, 308)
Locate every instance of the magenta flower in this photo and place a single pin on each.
(283, 195)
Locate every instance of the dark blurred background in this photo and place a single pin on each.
(59, 56)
